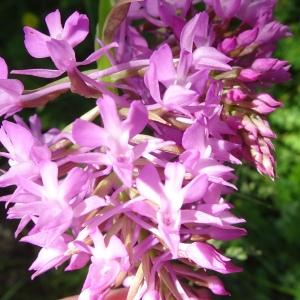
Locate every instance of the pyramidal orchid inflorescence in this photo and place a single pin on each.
(135, 189)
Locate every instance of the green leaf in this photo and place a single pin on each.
(105, 6)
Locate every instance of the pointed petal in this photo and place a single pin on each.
(211, 57)
(88, 205)
(97, 54)
(110, 116)
(151, 81)
(53, 21)
(188, 33)
(43, 73)
(91, 158)
(82, 84)
(3, 69)
(98, 240)
(116, 248)
(140, 149)
(31, 187)
(149, 184)
(78, 261)
(198, 25)
(194, 216)
(124, 172)
(10, 92)
(11, 176)
(174, 173)
(88, 134)
(49, 174)
(195, 189)
(165, 71)
(73, 183)
(137, 119)
(23, 223)
(62, 54)
(143, 208)
(207, 257)
(227, 9)
(195, 138)
(184, 64)
(21, 140)
(11, 87)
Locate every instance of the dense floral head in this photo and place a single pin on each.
(138, 195)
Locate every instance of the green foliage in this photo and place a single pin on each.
(105, 7)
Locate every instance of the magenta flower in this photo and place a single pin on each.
(63, 57)
(169, 198)
(50, 205)
(59, 46)
(74, 32)
(10, 92)
(51, 256)
(25, 153)
(177, 92)
(141, 198)
(107, 263)
(114, 138)
(207, 257)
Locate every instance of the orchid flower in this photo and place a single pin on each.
(114, 138)
(75, 30)
(25, 153)
(107, 263)
(141, 198)
(169, 198)
(10, 92)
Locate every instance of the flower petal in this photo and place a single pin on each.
(88, 134)
(35, 43)
(76, 29)
(62, 54)
(137, 119)
(149, 184)
(53, 21)
(43, 73)
(3, 69)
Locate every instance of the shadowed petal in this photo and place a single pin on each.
(137, 119)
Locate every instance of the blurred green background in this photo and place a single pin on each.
(270, 254)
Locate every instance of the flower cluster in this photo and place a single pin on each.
(138, 196)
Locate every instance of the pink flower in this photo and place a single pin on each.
(169, 198)
(59, 47)
(25, 153)
(114, 138)
(50, 205)
(51, 256)
(108, 260)
(74, 32)
(140, 197)
(10, 92)
(207, 257)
